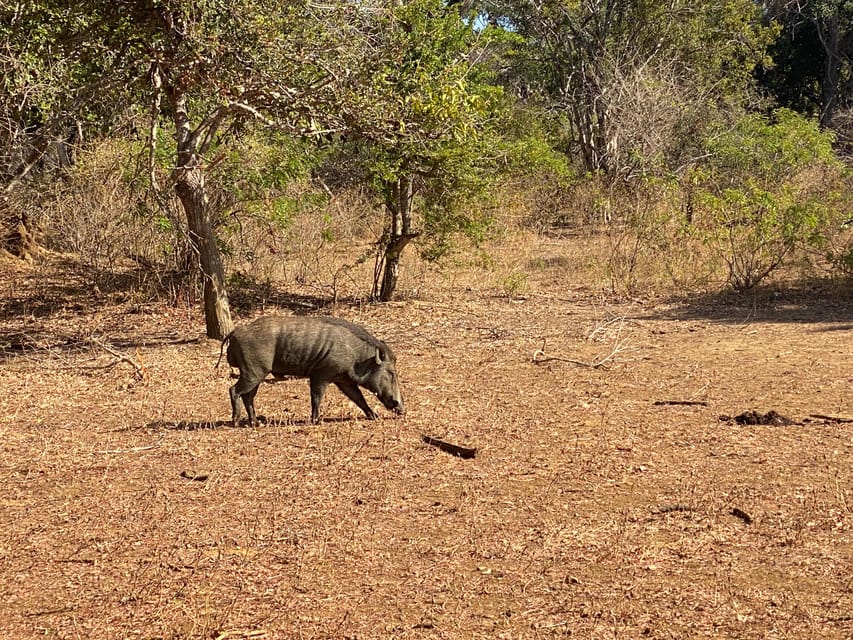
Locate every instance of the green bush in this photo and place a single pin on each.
(764, 190)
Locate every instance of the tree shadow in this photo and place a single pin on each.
(250, 295)
(62, 285)
(35, 313)
(806, 302)
(189, 425)
(34, 342)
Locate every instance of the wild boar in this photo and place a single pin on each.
(324, 350)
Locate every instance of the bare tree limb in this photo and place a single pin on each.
(156, 101)
(540, 357)
(830, 418)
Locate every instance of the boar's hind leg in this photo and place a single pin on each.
(243, 390)
(352, 392)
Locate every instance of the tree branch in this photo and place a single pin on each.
(156, 101)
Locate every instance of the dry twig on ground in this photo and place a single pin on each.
(540, 356)
(619, 346)
(138, 369)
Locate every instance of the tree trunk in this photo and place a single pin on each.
(189, 185)
(19, 238)
(828, 31)
(393, 251)
(399, 206)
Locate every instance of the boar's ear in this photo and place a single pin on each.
(379, 355)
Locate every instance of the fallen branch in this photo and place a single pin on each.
(192, 475)
(452, 449)
(138, 369)
(743, 515)
(819, 416)
(603, 327)
(242, 635)
(701, 403)
(539, 356)
(669, 508)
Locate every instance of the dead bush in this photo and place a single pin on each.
(327, 246)
(94, 213)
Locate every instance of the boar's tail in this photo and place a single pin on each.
(222, 348)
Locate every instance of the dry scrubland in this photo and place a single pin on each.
(129, 508)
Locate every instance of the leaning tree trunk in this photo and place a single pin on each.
(400, 208)
(189, 185)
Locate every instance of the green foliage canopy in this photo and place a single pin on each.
(586, 63)
(426, 108)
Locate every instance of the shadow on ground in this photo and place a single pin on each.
(57, 308)
(814, 302)
(65, 286)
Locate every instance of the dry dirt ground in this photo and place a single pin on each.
(130, 508)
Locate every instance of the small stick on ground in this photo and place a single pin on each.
(700, 403)
(669, 508)
(743, 515)
(192, 475)
(539, 356)
(133, 449)
(452, 449)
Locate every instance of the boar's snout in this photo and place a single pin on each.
(393, 402)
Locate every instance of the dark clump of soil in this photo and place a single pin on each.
(771, 418)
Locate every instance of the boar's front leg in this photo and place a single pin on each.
(352, 392)
(318, 390)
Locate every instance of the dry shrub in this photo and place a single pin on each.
(326, 248)
(629, 238)
(22, 223)
(92, 211)
(541, 203)
(545, 203)
(638, 237)
(654, 114)
(839, 249)
(652, 245)
(842, 126)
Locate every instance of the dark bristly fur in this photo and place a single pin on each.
(324, 350)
